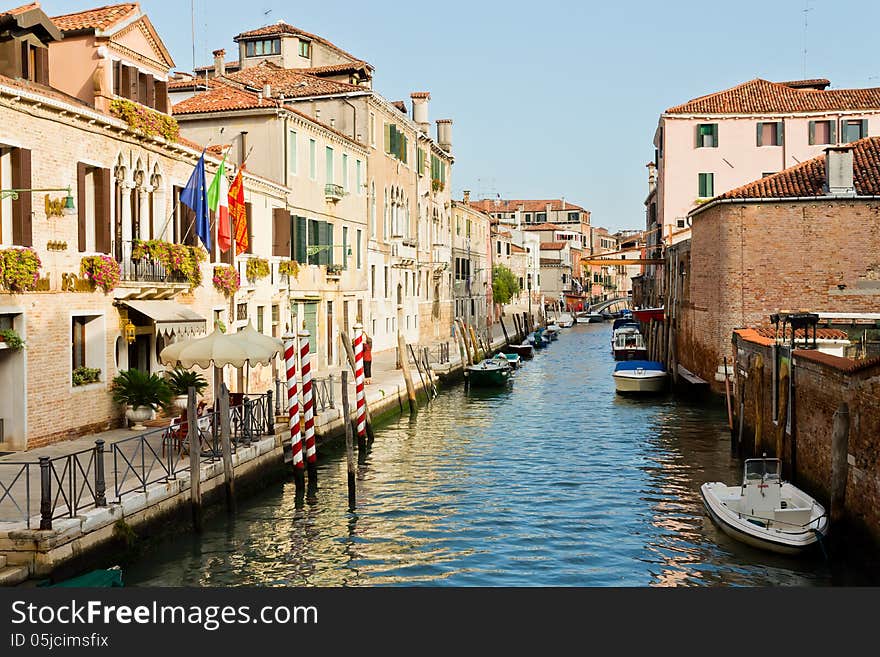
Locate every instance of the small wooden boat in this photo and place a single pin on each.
(639, 376)
(538, 340)
(513, 360)
(552, 332)
(487, 373)
(95, 579)
(765, 511)
(524, 350)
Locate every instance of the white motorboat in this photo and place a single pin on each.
(765, 511)
(645, 376)
(565, 321)
(627, 342)
(589, 318)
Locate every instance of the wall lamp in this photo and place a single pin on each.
(53, 208)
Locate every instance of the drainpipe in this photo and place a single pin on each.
(284, 155)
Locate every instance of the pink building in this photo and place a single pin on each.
(715, 143)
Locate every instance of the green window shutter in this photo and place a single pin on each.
(300, 237)
(812, 139)
(698, 138)
(715, 135)
(328, 233)
(314, 240)
(864, 128)
(388, 128)
(833, 131)
(701, 185)
(328, 160)
(710, 184)
(345, 247)
(760, 140)
(780, 133)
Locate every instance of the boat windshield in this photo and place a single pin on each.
(762, 469)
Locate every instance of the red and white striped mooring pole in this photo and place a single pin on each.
(293, 414)
(360, 394)
(308, 409)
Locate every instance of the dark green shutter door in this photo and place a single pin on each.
(314, 240)
(329, 233)
(387, 137)
(812, 133)
(715, 135)
(760, 140)
(864, 130)
(300, 252)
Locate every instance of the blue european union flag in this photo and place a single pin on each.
(195, 196)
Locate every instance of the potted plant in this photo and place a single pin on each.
(12, 339)
(142, 393)
(180, 380)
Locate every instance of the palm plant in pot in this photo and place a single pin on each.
(181, 380)
(142, 393)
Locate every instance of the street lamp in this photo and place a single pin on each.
(68, 208)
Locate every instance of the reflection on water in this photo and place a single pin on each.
(554, 481)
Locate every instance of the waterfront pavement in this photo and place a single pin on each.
(120, 475)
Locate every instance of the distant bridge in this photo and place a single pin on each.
(617, 304)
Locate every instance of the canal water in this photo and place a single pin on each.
(554, 481)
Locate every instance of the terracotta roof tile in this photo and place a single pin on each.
(763, 97)
(515, 248)
(290, 82)
(540, 227)
(848, 365)
(334, 69)
(99, 18)
(808, 178)
(282, 28)
(210, 67)
(512, 205)
(551, 261)
(821, 333)
(20, 10)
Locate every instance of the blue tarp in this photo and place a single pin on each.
(625, 365)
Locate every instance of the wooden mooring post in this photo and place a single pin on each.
(460, 344)
(504, 330)
(404, 364)
(349, 353)
(349, 444)
(195, 451)
(228, 472)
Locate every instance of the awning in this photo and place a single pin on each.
(170, 317)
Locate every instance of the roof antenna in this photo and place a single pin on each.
(806, 10)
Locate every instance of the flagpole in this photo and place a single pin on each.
(177, 202)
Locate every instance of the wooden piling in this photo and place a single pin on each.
(727, 395)
(404, 364)
(839, 465)
(504, 330)
(458, 342)
(465, 341)
(195, 451)
(349, 444)
(228, 472)
(349, 354)
(782, 414)
(758, 388)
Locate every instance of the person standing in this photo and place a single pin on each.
(368, 359)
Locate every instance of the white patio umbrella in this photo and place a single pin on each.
(220, 349)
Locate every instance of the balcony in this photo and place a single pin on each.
(403, 253)
(146, 277)
(333, 193)
(334, 272)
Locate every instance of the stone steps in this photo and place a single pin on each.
(12, 575)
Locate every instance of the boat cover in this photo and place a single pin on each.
(626, 365)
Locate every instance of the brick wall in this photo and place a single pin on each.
(822, 384)
(749, 260)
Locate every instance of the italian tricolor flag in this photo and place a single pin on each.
(218, 201)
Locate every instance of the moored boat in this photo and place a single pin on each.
(565, 321)
(552, 332)
(589, 318)
(524, 350)
(513, 360)
(487, 373)
(538, 339)
(764, 511)
(627, 343)
(635, 376)
(647, 314)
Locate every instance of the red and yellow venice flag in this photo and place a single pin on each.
(238, 213)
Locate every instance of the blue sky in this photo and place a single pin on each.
(552, 98)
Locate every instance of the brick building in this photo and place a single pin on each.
(804, 238)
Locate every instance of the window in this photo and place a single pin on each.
(822, 132)
(372, 281)
(241, 312)
(313, 159)
(359, 261)
(263, 47)
(770, 134)
(34, 63)
(345, 247)
(706, 183)
(372, 129)
(498, 244)
(345, 172)
(87, 342)
(853, 130)
(260, 313)
(573, 217)
(396, 143)
(305, 49)
(358, 177)
(707, 135)
(328, 161)
(291, 152)
(528, 217)
(508, 248)
(540, 217)
(387, 284)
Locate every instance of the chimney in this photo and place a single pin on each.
(420, 110)
(839, 171)
(267, 91)
(467, 197)
(444, 134)
(219, 63)
(652, 176)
